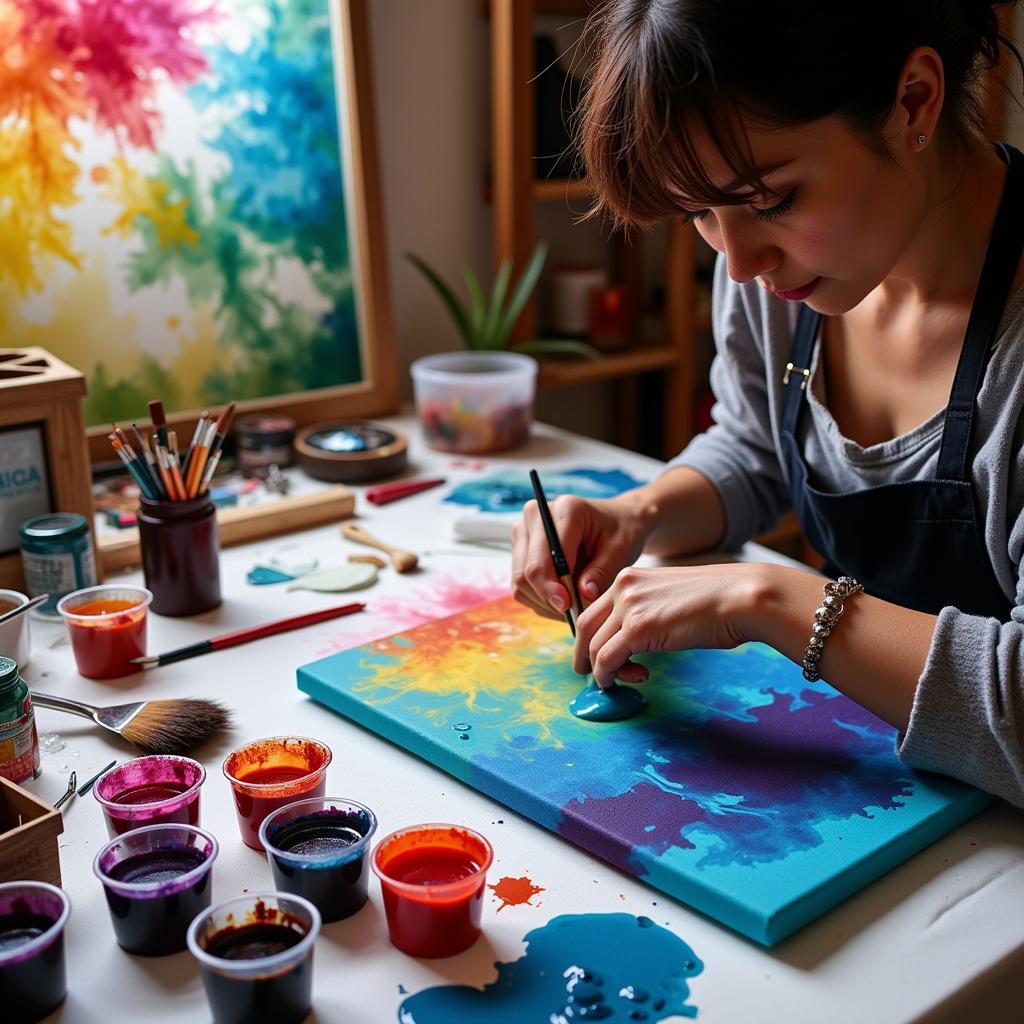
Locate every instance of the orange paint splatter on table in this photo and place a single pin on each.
(514, 892)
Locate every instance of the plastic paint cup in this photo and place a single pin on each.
(267, 774)
(432, 878)
(107, 625)
(158, 789)
(256, 957)
(317, 849)
(157, 879)
(33, 978)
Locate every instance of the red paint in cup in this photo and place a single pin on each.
(107, 626)
(432, 878)
(158, 789)
(267, 774)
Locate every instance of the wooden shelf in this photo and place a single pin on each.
(553, 190)
(561, 373)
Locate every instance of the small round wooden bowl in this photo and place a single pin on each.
(386, 453)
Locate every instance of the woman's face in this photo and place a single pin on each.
(836, 224)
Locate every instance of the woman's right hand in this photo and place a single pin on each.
(599, 538)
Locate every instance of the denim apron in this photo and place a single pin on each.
(917, 543)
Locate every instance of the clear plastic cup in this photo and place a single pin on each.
(269, 773)
(255, 953)
(156, 879)
(33, 977)
(157, 789)
(475, 402)
(317, 849)
(107, 626)
(432, 878)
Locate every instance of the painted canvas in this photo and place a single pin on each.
(743, 791)
(174, 208)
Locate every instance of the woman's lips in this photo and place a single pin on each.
(797, 294)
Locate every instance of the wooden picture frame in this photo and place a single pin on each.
(40, 392)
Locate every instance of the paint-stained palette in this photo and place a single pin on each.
(744, 791)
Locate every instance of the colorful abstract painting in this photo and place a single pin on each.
(172, 198)
(743, 791)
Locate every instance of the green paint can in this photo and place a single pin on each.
(57, 556)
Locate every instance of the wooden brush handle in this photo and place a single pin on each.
(403, 560)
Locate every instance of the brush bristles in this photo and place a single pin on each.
(175, 726)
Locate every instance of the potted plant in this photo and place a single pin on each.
(481, 399)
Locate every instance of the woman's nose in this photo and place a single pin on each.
(747, 254)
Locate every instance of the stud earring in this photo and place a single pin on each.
(922, 139)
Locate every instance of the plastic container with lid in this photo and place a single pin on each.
(57, 556)
(475, 402)
(19, 742)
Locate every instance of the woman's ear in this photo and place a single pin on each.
(920, 94)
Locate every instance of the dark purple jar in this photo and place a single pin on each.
(156, 879)
(180, 554)
(33, 979)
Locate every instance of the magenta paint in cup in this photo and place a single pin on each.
(33, 978)
(156, 879)
(255, 953)
(152, 790)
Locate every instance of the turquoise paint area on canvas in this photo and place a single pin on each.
(742, 790)
(510, 489)
(599, 967)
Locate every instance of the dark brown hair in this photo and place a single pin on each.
(717, 64)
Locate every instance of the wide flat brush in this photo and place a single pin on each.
(152, 726)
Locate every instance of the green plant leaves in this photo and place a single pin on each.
(457, 310)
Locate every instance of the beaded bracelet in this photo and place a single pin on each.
(825, 619)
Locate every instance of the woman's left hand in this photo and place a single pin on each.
(665, 609)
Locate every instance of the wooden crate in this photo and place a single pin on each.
(28, 836)
(38, 391)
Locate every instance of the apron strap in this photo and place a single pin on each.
(798, 370)
(997, 274)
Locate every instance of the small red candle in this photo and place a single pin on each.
(432, 878)
(107, 626)
(267, 774)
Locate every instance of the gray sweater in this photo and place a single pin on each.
(968, 714)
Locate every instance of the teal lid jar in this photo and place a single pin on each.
(57, 556)
(19, 743)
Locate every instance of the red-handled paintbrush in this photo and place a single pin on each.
(243, 636)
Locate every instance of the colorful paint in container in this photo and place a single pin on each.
(107, 626)
(157, 879)
(267, 774)
(317, 849)
(432, 878)
(57, 556)
(158, 789)
(256, 957)
(33, 978)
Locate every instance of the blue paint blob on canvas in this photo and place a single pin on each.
(617, 703)
(510, 490)
(601, 967)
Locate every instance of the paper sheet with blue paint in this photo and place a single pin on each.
(743, 791)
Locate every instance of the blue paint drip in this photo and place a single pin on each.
(593, 704)
(594, 967)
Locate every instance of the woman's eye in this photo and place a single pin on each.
(771, 213)
(692, 215)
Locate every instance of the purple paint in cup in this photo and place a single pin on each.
(33, 978)
(153, 790)
(157, 879)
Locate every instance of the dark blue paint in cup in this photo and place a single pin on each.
(317, 850)
(33, 978)
(157, 879)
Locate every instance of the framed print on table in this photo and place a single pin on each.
(195, 215)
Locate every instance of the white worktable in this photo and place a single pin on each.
(939, 935)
